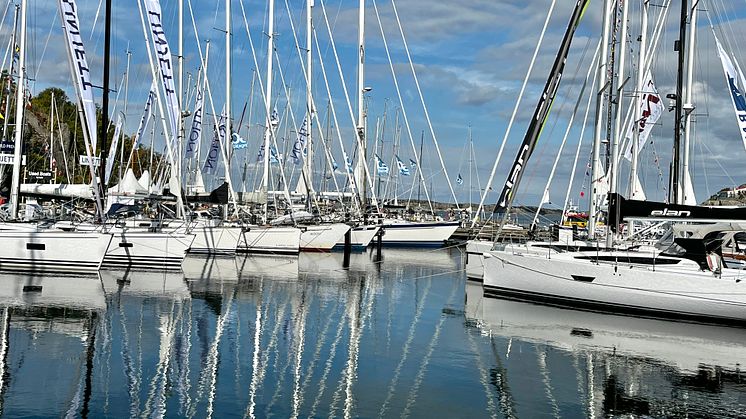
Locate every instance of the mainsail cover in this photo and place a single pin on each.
(621, 209)
(542, 111)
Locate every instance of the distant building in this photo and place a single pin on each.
(737, 192)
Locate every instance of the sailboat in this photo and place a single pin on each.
(26, 247)
(683, 278)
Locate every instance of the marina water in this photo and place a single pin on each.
(402, 334)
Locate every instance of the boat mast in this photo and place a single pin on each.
(596, 168)
(309, 102)
(105, 100)
(180, 133)
(16, 179)
(687, 189)
(634, 177)
(267, 105)
(228, 85)
(10, 75)
(675, 192)
(362, 153)
(614, 169)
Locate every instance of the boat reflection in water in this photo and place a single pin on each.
(386, 335)
(615, 365)
(48, 328)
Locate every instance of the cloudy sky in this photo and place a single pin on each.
(470, 56)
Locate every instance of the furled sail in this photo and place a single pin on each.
(542, 111)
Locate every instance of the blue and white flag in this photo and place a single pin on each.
(348, 163)
(299, 148)
(381, 167)
(237, 142)
(412, 163)
(273, 157)
(459, 180)
(274, 118)
(403, 169)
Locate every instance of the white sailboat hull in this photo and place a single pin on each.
(361, 236)
(271, 240)
(431, 234)
(323, 237)
(52, 251)
(475, 250)
(218, 240)
(146, 250)
(675, 292)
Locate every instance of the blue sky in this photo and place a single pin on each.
(470, 56)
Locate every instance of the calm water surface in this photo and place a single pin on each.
(407, 336)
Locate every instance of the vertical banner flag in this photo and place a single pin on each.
(651, 109)
(83, 86)
(736, 91)
(381, 167)
(113, 149)
(145, 120)
(165, 66)
(195, 134)
(403, 169)
(299, 148)
(211, 161)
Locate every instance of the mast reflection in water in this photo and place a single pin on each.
(305, 337)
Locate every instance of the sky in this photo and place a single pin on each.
(470, 58)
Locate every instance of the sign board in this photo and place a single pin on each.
(10, 158)
(40, 174)
(84, 161)
(7, 147)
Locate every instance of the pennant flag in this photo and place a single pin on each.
(113, 149)
(381, 167)
(459, 180)
(76, 52)
(273, 157)
(211, 161)
(299, 148)
(412, 163)
(335, 166)
(651, 109)
(736, 86)
(165, 68)
(237, 142)
(403, 169)
(195, 135)
(348, 164)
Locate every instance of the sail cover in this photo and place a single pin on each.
(542, 111)
(621, 209)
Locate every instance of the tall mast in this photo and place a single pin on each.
(613, 169)
(267, 105)
(228, 84)
(105, 101)
(362, 153)
(634, 177)
(675, 195)
(687, 189)
(180, 134)
(596, 168)
(309, 100)
(10, 73)
(16, 179)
